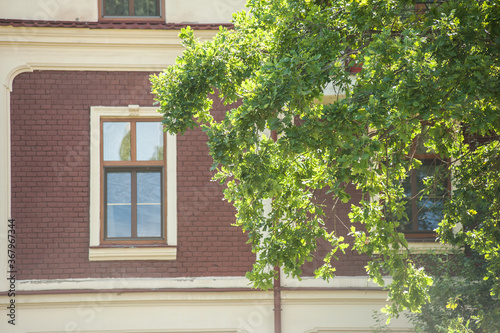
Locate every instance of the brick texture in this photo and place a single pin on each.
(50, 138)
(350, 263)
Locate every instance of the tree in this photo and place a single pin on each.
(460, 299)
(428, 70)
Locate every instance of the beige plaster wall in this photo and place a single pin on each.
(176, 11)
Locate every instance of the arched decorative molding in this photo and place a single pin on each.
(9, 80)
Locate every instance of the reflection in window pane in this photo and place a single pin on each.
(149, 141)
(119, 222)
(430, 213)
(149, 187)
(116, 7)
(429, 205)
(149, 204)
(116, 141)
(149, 220)
(118, 202)
(146, 8)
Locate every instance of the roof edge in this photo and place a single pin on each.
(122, 24)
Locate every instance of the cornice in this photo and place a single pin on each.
(84, 36)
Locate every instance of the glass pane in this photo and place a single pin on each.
(146, 8)
(148, 220)
(149, 187)
(430, 213)
(116, 8)
(116, 141)
(429, 205)
(149, 204)
(431, 171)
(118, 202)
(149, 141)
(119, 221)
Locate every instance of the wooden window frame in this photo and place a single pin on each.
(104, 17)
(131, 165)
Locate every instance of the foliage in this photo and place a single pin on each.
(460, 299)
(380, 325)
(435, 71)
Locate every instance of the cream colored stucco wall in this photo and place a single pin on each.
(176, 11)
(207, 306)
(49, 10)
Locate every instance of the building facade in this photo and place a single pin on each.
(81, 153)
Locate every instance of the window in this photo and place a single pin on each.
(133, 167)
(425, 208)
(131, 8)
(133, 186)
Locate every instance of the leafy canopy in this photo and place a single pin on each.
(434, 70)
(460, 298)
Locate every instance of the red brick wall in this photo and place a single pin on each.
(50, 116)
(50, 133)
(349, 263)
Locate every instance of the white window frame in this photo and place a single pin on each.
(98, 252)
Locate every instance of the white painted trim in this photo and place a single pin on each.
(430, 247)
(130, 253)
(153, 253)
(5, 182)
(215, 330)
(337, 283)
(333, 297)
(68, 37)
(357, 330)
(134, 283)
(345, 282)
(140, 299)
(171, 174)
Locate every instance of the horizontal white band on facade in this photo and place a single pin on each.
(215, 330)
(339, 282)
(358, 330)
(200, 296)
(132, 253)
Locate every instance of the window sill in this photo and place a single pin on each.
(135, 19)
(132, 253)
(426, 247)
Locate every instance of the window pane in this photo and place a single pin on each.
(149, 141)
(118, 202)
(430, 205)
(149, 220)
(430, 213)
(119, 221)
(116, 8)
(116, 141)
(149, 187)
(149, 204)
(146, 8)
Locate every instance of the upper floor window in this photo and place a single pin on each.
(131, 8)
(426, 189)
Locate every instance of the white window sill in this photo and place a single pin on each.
(132, 253)
(430, 247)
